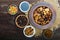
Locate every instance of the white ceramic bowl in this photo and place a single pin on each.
(33, 31)
(24, 6)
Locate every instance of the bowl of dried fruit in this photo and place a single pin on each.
(21, 21)
(48, 34)
(29, 31)
(42, 15)
(12, 9)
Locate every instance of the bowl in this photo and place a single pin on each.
(33, 10)
(48, 34)
(29, 31)
(24, 6)
(12, 9)
(21, 21)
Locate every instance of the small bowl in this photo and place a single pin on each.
(48, 34)
(24, 6)
(21, 21)
(12, 9)
(27, 34)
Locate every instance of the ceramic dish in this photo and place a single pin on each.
(53, 16)
(12, 9)
(24, 6)
(48, 34)
(29, 31)
(21, 21)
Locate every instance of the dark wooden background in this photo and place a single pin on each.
(8, 29)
